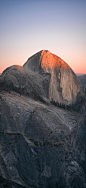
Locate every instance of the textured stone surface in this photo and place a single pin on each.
(64, 86)
(83, 80)
(44, 77)
(25, 82)
(41, 145)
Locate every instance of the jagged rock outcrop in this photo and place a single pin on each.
(42, 145)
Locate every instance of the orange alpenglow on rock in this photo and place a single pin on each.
(18, 66)
(44, 76)
(62, 84)
(49, 60)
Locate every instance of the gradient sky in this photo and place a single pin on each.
(28, 26)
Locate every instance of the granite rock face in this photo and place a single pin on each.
(41, 145)
(44, 77)
(64, 86)
(16, 78)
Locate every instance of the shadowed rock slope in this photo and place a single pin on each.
(41, 145)
(83, 80)
(16, 78)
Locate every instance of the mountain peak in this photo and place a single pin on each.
(63, 85)
(44, 59)
(49, 60)
(44, 76)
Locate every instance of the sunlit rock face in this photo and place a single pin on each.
(64, 86)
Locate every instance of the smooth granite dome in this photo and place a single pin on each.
(64, 86)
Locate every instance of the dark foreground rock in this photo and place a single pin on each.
(42, 125)
(8, 184)
(41, 145)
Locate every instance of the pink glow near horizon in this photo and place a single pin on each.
(27, 27)
(20, 59)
